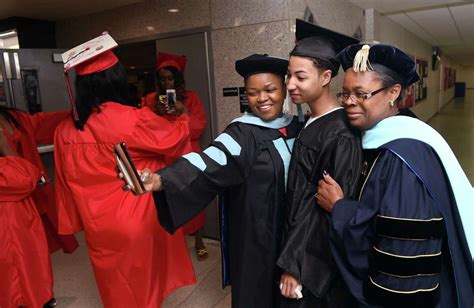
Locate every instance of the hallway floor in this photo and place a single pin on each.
(74, 281)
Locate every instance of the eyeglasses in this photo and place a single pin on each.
(164, 78)
(358, 97)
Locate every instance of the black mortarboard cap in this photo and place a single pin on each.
(363, 57)
(322, 44)
(257, 63)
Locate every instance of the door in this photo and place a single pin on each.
(196, 75)
(32, 81)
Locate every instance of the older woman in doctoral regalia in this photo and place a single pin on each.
(408, 240)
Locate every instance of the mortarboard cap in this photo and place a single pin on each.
(257, 63)
(92, 56)
(322, 44)
(361, 57)
(166, 59)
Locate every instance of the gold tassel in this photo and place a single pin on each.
(361, 60)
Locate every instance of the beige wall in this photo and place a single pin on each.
(389, 32)
(466, 74)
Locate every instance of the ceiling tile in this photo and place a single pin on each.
(413, 27)
(464, 19)
(439, 24)
(386, 6)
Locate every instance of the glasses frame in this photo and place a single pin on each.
(355, 99)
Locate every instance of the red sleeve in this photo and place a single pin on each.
(149, 100)
(69, 220)
(18, 178)
(43, 124)
(197, 115)
(156, 135)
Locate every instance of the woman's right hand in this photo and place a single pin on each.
(288, 284)
(151, 181)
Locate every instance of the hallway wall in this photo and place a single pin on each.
(389, 32)
(466, 74)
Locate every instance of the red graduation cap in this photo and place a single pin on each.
(166, 59)
(90, 57)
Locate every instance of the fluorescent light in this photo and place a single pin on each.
(9, 33)
(173, 10)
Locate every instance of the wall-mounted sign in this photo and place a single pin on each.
(230, 91)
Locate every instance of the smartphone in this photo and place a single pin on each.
(171, 98)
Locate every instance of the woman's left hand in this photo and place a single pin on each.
(178, 109)
(329, 192)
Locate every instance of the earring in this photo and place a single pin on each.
(391, 103)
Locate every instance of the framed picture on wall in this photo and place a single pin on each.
(31, 89)
(421, 87)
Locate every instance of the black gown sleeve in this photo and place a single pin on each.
(394, 192)
(195, 179)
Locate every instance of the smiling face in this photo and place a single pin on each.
(304, 81)
(266, 93)
(364, 115)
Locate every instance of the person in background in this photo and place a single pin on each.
(24, 133)
(170, 75)
(248, 165)
(408, 239)
(136, 262)
(25, 267)
(326, 144)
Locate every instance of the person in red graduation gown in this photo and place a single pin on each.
(169, 72)
(24, 133)
(26, 278)
(136, 263)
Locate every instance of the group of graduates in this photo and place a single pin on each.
(357, 206)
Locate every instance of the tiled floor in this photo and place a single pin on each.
(74, 281)
(75, 286)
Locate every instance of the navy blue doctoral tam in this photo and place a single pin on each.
(365, 57)
(256, 63)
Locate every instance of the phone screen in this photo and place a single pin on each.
(171, 98)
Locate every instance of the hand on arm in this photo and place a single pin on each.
(328, 193)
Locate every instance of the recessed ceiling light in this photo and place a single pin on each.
(173, 10)
(150, 28)
(132, 67)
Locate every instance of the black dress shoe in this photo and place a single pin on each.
(51, 303)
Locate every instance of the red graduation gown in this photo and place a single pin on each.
(136, 262)
(26, 277)
(197, 124)
(34, 130)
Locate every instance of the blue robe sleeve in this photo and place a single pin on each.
(195, 179)
(380, 267)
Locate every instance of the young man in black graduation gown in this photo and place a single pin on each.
(326, 144)
(248, 165)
